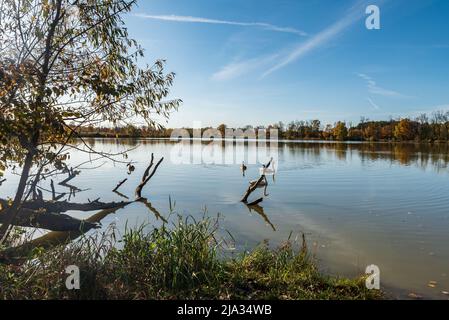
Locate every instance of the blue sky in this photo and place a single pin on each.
(261, 61)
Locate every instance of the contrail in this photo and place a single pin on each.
(189, 19)
(355, 13)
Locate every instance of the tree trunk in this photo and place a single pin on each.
(11, 212)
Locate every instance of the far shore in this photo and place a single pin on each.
(314, 140)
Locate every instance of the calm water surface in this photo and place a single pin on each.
(358, 204)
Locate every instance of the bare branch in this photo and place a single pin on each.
(146, 177)
(119, 184)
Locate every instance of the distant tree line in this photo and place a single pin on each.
(129, 131)
(423, 128)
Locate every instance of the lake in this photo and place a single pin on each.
(357, 203)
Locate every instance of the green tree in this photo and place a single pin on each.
(340, 131)
(66, 64)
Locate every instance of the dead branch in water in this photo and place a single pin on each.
(72, 174)
(256, 202)
(255, 184)
(119, 185)
(46, 214)
(147, 176)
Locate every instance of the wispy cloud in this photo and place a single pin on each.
(322, 38)
(373, 104)
(239, 68)
(189, 19)
(375, 89)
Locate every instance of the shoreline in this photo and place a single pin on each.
(439, 142)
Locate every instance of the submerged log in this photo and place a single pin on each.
(48, 220)
(64, 206)
(17, 255)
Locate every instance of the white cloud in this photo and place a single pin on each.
(373, 104)
(189, 19)
(375, 89)
(239, 68)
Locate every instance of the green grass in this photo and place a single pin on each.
(185, 261)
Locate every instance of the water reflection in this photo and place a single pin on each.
(419, 154)
(361, 203)
(260, 211)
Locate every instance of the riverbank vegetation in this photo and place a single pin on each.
(423, 128)
(185, 261)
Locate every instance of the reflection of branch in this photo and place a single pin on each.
(121, 194)
(1, 181)
(265, 190)
(152, 209)
(254, 206)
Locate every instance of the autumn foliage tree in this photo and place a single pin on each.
(404, 130)
(66, 64)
